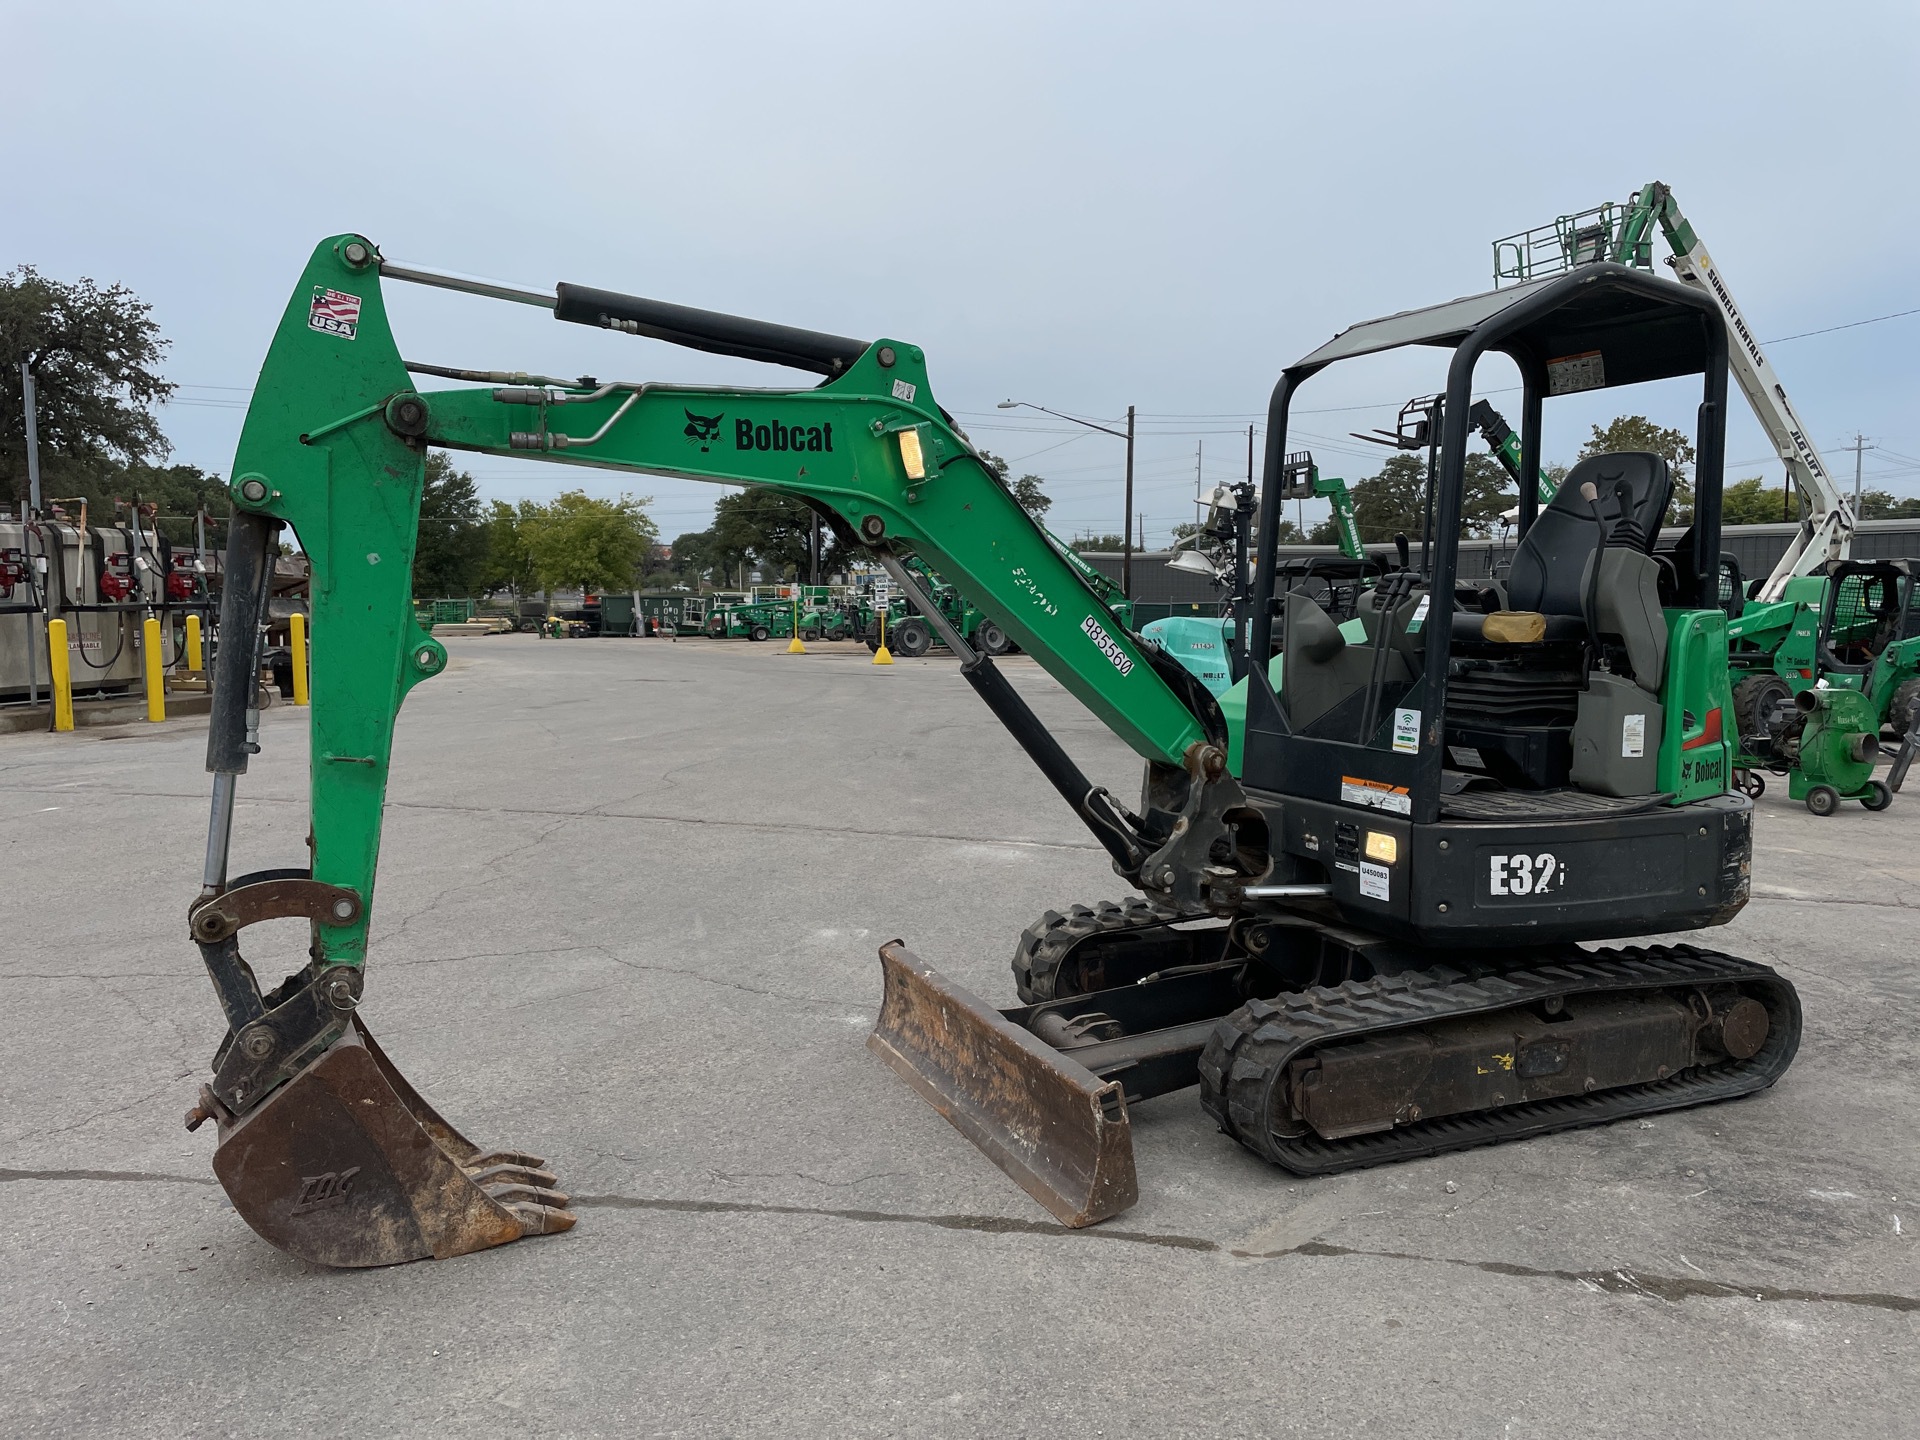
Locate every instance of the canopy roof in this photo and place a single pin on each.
(1626, 325)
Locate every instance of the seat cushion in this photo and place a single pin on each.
(1554, 629)
(1548, 566)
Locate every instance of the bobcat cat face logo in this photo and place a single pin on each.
(702, 430)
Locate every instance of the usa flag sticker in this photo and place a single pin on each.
(334, 312)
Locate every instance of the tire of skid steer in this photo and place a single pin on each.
(1756, 700)
(991, 638)
(1043, 945)
(809, 634)
(912, 638)
(1900, 710)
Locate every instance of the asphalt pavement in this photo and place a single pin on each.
(628, 905)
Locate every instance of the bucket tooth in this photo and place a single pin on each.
(345, 1165)
(1058, 1130)
(490, 1175)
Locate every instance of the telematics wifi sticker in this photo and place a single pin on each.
(334, 312)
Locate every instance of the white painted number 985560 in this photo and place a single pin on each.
(1525, 874)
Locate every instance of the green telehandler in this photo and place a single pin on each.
(1359, 950)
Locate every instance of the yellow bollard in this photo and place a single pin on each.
(297, 642)
(196, 658)
(794, 647)
(883, 656)
(60, 668)
(156, 676)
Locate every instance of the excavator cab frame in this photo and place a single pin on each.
(1387, 748)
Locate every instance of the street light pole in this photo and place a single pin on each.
(1126, 514)
(1126, 544)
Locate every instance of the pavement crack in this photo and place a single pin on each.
(704, 979)
(1617, 1281)
(1800, 897)
(123, 1177)
(1620, 1280)
(977, 1224)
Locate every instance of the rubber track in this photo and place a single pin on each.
(1250, 1050)
(1045, 944)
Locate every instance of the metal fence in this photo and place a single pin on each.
(1160, 591)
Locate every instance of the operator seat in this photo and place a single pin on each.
(1520, 679)
(1551, 561)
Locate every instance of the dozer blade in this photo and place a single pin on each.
(346, 1165)
(1058, 1129)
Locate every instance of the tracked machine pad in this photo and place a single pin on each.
(1318, 1048)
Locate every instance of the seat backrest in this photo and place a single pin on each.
(1548, 566)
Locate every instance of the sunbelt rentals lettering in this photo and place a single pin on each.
(1090, 627)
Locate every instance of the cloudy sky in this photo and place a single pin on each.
(1083, 206)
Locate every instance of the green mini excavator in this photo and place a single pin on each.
(1362, 939)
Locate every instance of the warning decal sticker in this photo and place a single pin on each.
(334, 312)
(1376, 795)
(1572, 373)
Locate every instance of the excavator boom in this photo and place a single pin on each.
(324, 1148)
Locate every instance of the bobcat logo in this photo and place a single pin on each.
(322, 1192)
(703, 430)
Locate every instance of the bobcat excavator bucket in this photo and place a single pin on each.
(1059, 1131)
(323, 1149)
(346, 1165)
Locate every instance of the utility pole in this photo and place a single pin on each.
(1143, 530)
(1126, 518)
(33, 440)
(1859, 445)
(30, 510)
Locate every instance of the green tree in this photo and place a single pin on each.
(177, 493)
(451, 555)
(509, 563)
(771, 532)
(1104, 543)
(1392, 502)
(1026, 489)
(1487, 494)
(92, 352)
(1880, 505)
(578, 542)
(690, 558)
(1636, 432)
(1750, 502)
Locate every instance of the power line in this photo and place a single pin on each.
(1850, 325)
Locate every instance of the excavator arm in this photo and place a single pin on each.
(334, 450)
